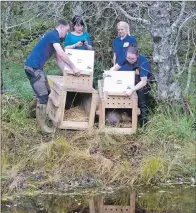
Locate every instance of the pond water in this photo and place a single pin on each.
(168, 200)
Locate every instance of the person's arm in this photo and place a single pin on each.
(73, 46)
(87, 43)
(118, 65)
(88, 47)
(114, 59)
(115, 67)
(61, 55)
(138, 86)
(114, 51)
(144, 70)
(60, 63)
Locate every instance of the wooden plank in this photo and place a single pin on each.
(102, 114)
(100, 204)
(82, 81)
(100, 89)
(114, 130)
(92, 111)
(75, 125)
(81, 90)
(82, 72)
(118, 102)
(91, 205)
(55, 98)
(134, 114)
(117, 94)
(115, 209)
(132, 202)
(52, 111)
(61, 110)
(57, 83)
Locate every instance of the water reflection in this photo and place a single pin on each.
(172, 200)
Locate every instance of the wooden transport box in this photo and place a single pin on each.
(57, 101)
(84, 61)
(117, 100)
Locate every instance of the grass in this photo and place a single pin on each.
(161, 152)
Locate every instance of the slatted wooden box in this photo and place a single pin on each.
(57, 101)
(114, 100)
(83, 81)
(84, 61)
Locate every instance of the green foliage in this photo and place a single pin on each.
(170, 123)
(152, 169)
(145, 44)
(16, 81)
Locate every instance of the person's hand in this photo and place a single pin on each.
(78, 44)
(76, 71)
(85, 43)
(129, 92)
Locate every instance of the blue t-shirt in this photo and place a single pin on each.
(71, 39)
(120, 48)
(43, 50)
(141, 66)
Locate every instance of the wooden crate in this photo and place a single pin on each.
(57, 101)
(117, 101)
(83, 81)
(96, 205)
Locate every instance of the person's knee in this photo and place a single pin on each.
(43, 99)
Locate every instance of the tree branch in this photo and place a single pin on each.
(175, 24)
(174, 49)
(186, 57)
(189, 71)
(144, 21)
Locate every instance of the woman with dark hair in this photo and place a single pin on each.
(78, 39)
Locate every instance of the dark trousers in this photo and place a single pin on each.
(143, 104)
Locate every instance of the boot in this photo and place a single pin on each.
(32, 108)
(41, 118)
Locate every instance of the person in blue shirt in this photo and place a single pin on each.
(142, 68)
(48, 45)
(121, 43)
(78, 39)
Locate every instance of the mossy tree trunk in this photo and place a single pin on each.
(168, 87)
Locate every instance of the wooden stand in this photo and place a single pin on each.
(117, 101)
(57, 101)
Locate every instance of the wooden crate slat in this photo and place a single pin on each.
(81, 81)
(55, 98)
(52, 111)
(118, 130)
(115, 209)
(77, 125)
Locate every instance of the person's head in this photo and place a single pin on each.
(132, 54)
(63, 27)
(78, 24)
(123, 29)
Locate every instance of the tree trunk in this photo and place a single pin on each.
(168, 87)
